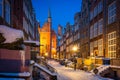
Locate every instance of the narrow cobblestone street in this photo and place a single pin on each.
(66, 73)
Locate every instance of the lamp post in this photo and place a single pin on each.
(54, 56)
(75, 48)
(46, 55)
(94, 57)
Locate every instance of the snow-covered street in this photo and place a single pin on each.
(65, 73)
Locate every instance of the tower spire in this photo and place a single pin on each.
(49, 16)
(49, 13)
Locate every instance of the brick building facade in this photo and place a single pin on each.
(17, 14)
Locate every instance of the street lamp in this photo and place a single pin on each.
(92, 54)
(75, 48)
(46, 54)
(54, 56)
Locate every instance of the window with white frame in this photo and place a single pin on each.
(112, 45)
(7, 11)
(100, 47)
(78, 35)
(96, 43)
(111, 12)
(91, 48)
(100, 26)
(95, 11)
(1, 6)
(67, 49)
(100, 6)
(25, 25)
(76, 27)
(91, 15)
(91, 31)
(95, 29)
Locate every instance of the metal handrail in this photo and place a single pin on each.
(47, 66)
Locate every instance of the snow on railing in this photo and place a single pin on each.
(102, 68)
(44, 69)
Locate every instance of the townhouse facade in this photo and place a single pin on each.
(84, 29)
(112, 31)
(9, 10)
(77, 35)
(104, 28)
(69, 41)
(18, 15)
(96, 30)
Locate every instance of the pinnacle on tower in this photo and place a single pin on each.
(49, 16)
(49, 13)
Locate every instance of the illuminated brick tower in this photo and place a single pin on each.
(46, 38)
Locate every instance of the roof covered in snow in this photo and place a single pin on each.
(10, 34)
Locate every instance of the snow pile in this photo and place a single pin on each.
(112, 66)
(32, 61)
(33, 42)
(24, 74)
(10, 34)
(101, 68)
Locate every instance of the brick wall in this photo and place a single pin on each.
(11, 61)
(115, 62)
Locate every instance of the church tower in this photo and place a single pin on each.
(47, 38)
(50, 27)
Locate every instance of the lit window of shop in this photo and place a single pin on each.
(91, 32)
(100, 47)
(112, 45)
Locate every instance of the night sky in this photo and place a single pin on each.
(62, 11)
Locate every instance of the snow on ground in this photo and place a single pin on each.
(65, 73)
(10, 34)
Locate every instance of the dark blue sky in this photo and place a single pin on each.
(62, 11)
